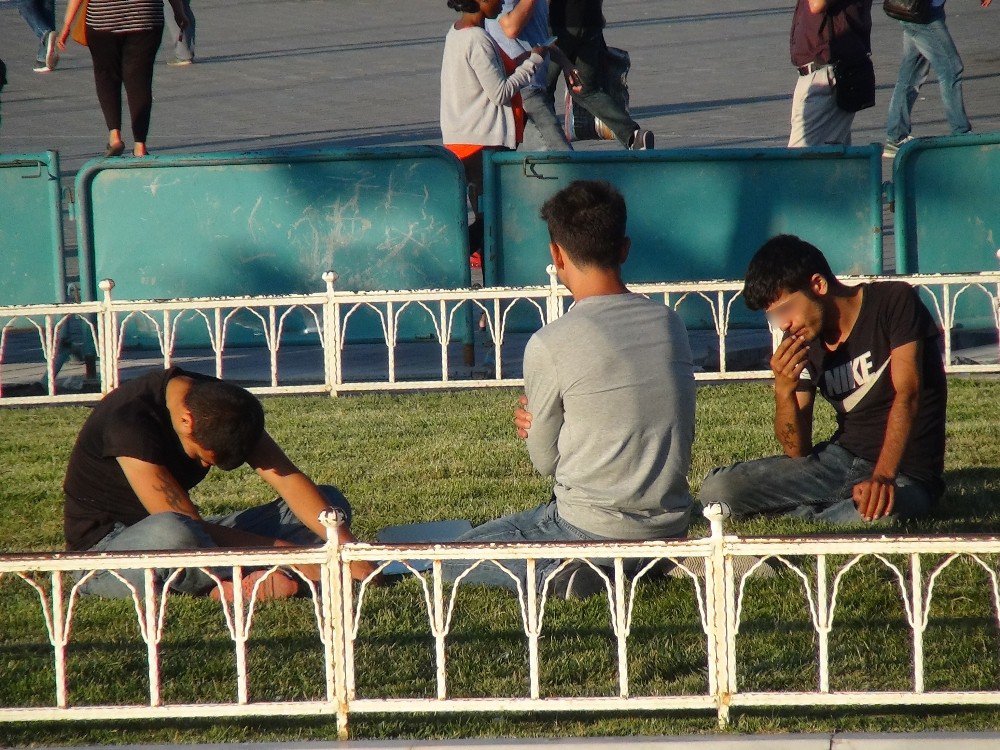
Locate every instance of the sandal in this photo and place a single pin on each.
(116, 150)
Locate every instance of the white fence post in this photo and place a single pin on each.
(107, 339)
(553, 305)
(720, 606)
(335, 621)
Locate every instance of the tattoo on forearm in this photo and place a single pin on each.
(173, 494)
(787, 436)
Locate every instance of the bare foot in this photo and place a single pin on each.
(277, 585)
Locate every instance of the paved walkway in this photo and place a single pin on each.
(338, 73)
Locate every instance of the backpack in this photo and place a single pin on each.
(914, 11)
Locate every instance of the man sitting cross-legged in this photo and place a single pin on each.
(146, 444)
(872, 352)
(611, 394)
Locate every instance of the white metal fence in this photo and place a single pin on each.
(717, 568)
(103, 327)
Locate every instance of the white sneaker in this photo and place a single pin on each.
(51, 54)
(890, 148)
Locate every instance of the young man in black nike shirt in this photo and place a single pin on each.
(872, 351)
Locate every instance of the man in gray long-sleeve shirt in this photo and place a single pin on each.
(611, 394)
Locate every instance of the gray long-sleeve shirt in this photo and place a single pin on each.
(611, 390)
(476, 92)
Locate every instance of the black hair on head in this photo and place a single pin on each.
(783, 264)
(227, 420)
(464, 6)
(587, 219)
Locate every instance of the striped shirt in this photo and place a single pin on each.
(123, 16)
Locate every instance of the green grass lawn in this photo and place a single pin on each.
(407, 458)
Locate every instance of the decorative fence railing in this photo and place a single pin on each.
(103, 327)
(717, 567)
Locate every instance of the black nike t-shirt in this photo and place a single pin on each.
(855, 378)
(132, 421)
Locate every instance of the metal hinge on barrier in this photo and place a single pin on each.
(889, 195)
(529, 168)
(34, 162)
(69, 201)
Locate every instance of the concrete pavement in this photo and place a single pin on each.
(342, 73)
(339, 73)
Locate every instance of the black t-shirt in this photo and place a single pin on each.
(855, 379)
(130, 421)
(576, 14)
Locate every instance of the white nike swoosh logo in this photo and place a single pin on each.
(849, 402)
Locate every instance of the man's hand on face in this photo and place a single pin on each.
(788, 362)
(875, 498)
(522, 417)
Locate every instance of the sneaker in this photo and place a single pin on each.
(51, 51)
(579, 581)
(179, 62)
(891, 147)
(642, 140)
(741, 566)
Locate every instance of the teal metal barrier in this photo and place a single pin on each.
(947, 198)
(272, 223)
(694, 214)
(31, 241)
(947, 193)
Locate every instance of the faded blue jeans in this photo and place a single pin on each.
(41, 17)
(541, 129)
(183, 43)
(926, 47)
(585, 47)
(817, 487)
(175, 531)
(541, 524)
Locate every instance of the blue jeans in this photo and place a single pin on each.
(541, 524)
(585, 48)
(541, 129)
(174, 531)
(925, 47)
(183, 43)
(41, 17)
(817, 487)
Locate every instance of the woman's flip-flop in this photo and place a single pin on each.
(117, 150)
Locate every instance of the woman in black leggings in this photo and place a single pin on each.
(123, 37)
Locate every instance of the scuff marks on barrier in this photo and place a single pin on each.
(158, 182)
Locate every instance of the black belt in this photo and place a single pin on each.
(812, 67)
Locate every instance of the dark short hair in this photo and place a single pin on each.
(228, 420)
(464, 6)
(587, 220)
(783, 264)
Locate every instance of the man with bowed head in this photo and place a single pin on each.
(147, 444)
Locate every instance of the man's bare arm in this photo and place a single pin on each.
(792, 407)
(300, 492)
(514, 21)
(157, 489)
(876, 497)
(159, 492)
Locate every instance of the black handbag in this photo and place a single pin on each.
(855, 83)
(914, 11)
